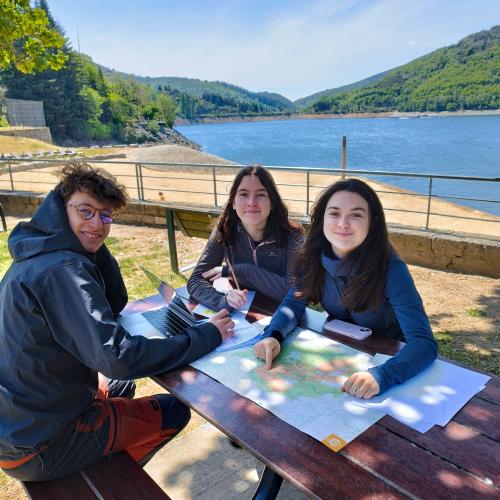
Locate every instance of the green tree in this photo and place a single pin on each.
(66, 109)
(27, 39)
(167, 107)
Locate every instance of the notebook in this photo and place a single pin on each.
(165, 321)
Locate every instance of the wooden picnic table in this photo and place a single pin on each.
(388, 460)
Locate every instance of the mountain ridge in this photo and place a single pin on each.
(462, 76)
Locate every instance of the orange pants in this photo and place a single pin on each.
(139, 426)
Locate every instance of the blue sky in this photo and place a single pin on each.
(293, 47)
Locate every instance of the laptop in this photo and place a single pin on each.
(165, 321)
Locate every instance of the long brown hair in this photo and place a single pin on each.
(368, 262)
(278, 224)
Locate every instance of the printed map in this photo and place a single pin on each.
(304, 386)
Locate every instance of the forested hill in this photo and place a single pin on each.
(304, 102)
(459, 77)
(204, 99)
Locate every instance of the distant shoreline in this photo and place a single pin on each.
(323, 116)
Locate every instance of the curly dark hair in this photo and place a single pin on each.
(97, 182)
(278, 224)
(370, 260)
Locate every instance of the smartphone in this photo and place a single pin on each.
(347, 329)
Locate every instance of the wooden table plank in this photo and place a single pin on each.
(414, 469)
(482, 416)
(72, 487)
(123, 478)
(491, 392)
(457, 444)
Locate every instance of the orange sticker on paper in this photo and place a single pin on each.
(334, 442)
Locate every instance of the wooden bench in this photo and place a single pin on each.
(110, 479)
(196, 223)
(192, 222)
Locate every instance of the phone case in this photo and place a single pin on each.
(347, 329)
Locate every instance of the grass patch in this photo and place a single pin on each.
(97, 151)
(19, 145)
(5, 258)
(476, 313)
(443, 337)
(455, 350)
(480, 361)
(153, 256)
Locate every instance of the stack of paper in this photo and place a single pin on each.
(432, 397)
(244, 333)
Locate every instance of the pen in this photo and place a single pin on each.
(232, 273)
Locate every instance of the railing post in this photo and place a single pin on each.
(138, 178)
(141, 181)
(172, 245)
(137, 181)
(11, 177)
(429, 196)
(307, 193)
(344, 147)
(214, 175)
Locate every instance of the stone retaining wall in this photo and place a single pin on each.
(423, 248)
(40, 133)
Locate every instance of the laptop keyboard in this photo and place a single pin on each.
(170, 320)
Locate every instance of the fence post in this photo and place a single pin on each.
(214, 175)
(429, 196)
(11, 177)
(307, 193)
(172, 245)
(137, 181)
(344, 147)
(141, 181)
(138, 178)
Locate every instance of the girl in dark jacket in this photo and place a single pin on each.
(254, 235)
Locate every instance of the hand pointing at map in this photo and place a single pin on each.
(267, 350)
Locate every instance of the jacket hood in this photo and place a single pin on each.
(334, 266)
(46, 232)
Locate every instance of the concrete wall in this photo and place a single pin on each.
(423, 248)
(40, 133)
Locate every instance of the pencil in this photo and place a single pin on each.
(233, 273)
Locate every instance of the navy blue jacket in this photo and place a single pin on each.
(58, 330)
(401, 316)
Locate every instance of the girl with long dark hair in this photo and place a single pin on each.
(255, 236)
(348, 265)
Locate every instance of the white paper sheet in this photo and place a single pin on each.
(433, 396)
(205, 311)
(244, 334)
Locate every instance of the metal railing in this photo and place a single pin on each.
(160, 178)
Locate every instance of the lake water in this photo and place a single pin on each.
(458, 145)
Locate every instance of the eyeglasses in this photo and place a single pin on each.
(87, 212)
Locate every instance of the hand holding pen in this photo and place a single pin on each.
(236, 297)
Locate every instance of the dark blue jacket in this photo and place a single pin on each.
(401, 316)
(58, 330)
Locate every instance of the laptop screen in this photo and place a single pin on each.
(169, 296)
